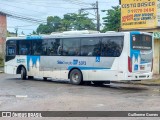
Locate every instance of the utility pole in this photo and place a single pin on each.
(95, 7)
(16, 30)
(98, 16)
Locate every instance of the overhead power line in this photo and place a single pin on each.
(95, 7)
(21, 17)
(21, 26)
(77, 2)
(16, 27)
(44, 5)
(19, 14)
(17, 7)
(26, 18)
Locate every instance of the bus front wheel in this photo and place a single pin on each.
(76, 77)
(23, 73)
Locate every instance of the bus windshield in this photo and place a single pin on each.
(142, 42)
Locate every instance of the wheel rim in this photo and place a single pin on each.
(75, 77)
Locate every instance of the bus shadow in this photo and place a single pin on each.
(40, 80)
(122, 87)
(113, 86)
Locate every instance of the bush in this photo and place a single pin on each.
(1, 62)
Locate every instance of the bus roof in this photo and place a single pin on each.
(70, 34)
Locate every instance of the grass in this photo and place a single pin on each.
(1, 62)
(150, 82)
(155, 81)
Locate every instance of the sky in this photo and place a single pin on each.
(41, 9)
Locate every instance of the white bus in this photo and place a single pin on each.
(82, 56)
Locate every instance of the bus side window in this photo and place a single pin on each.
(37, 47)
(24, 47)
(90, 47)
(44, 47)
(23, 50)
(59, 50)
(71, 47)
(53, 46)
(112, 46)
(96, 52)
(11, 50)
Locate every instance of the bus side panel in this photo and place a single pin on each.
(99, 68)
(12, 65)
(117, 66)
(77, 62)
(10, 69)
(123, 59)
(91, 67)
(101, 75)
(49, 67)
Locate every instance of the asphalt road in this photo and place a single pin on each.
(2, 69)
(39, 95)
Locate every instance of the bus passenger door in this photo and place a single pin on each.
(49, 67)
(49, 64)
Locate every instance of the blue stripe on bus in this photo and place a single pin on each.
(144, 62)
(33, 37)
(135, 32)
(87, 68)
(34, 60)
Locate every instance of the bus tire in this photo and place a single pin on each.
(98, 82)
(76, 77)
(23, 73)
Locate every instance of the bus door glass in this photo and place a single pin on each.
(10, 50)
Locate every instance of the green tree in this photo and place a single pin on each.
(53, 25)
(43, 29)
(82, 22)
(34, 32)
(67, 22)
(70, 21)
(77, 22)
(112, 20)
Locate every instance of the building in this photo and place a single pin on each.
(3, 32)
(143, 15)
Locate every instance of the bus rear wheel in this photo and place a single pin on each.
(23, 73)
(76, 77)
